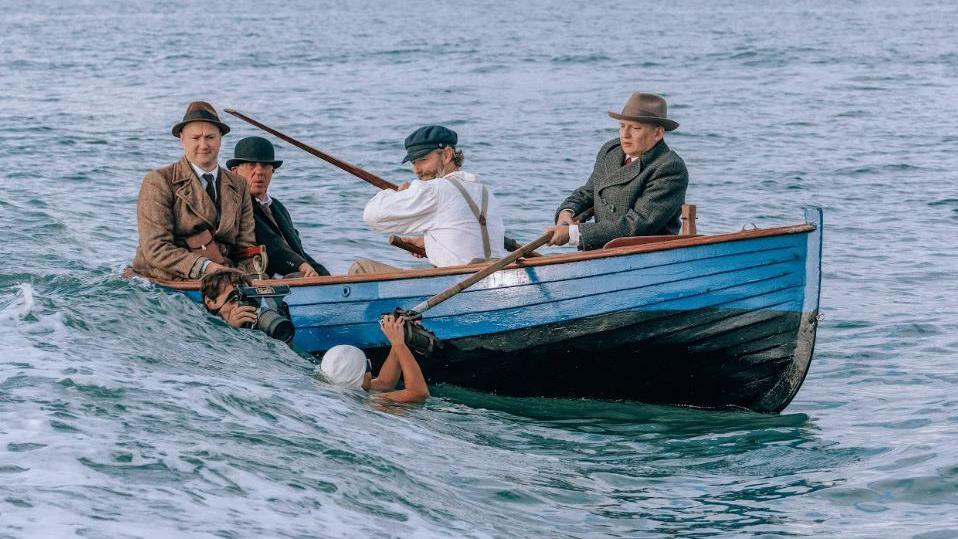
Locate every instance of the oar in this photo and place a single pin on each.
(343, 165)
(482, 274)
(348, 167)
(398, 241)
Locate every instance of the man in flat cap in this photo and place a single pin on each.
(637, 186)
(193, 217)
(254, 160)
(457, 217)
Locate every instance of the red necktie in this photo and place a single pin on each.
(628, 161)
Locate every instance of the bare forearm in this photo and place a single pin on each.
(388, 374)
(411, 373)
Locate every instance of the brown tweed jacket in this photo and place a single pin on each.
(172, 206)
(643, 198)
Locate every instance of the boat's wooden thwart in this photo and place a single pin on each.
(720, 320)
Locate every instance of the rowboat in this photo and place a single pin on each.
(724, 320)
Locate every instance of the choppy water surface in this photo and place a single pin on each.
(125, 411)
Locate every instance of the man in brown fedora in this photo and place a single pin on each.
(637, 186)
(193, 217)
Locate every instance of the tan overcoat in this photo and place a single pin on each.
(172, 206)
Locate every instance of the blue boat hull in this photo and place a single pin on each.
(725, 321)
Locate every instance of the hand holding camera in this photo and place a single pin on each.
(393, 328)
(269, 313)
(241, 316)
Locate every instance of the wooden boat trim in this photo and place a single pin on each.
(677, 243)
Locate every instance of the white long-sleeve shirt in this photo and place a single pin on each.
(437, 210)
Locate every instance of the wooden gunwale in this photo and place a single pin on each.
(546, 260)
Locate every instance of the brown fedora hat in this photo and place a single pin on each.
(646, 108)
(200, 111)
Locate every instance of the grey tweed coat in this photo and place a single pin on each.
(640, 199)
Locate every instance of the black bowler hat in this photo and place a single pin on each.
(200, 111)
(429, 138)
(253, 150)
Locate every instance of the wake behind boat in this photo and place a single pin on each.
(712, 321)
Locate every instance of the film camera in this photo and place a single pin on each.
(272, 313)
(420, 340)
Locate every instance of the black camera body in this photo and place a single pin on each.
(421, 341)
(272, 313)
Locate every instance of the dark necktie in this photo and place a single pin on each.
(268, 212)
(210, 188)
(628, 161)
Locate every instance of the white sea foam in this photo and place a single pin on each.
(21, 306)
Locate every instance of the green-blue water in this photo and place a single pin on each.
(127, 412)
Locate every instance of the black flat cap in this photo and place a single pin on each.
(429, 138)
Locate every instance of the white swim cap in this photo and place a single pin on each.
(344, 365)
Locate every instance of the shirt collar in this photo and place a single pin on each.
(649, 156)
(265, 201)
(199, 172)
(462, 175)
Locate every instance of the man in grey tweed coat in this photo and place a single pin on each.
(637, 187)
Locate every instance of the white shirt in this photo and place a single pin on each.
(199, 173)
(437, 210)
(573, 230)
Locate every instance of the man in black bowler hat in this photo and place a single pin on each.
(193, 217)
(254, 159)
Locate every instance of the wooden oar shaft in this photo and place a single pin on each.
(478, 276)
(491, 268)
(397, 241)
(348, 167)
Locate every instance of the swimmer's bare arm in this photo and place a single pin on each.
(388, 374)
(400, 355)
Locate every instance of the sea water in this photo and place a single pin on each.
(126, 411)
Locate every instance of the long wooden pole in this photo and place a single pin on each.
(489, 270)
(348, 167)
(398, 241)
(336, 162)
(482, 274)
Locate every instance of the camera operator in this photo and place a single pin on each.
(221, 297)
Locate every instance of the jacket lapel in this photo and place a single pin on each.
(229, 205)
(261, 212)
(285, 224)
(615, 173)
(188, 188)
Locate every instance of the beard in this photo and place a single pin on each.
(439, 172)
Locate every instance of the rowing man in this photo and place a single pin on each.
(453, 216)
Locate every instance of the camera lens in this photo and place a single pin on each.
(275, 325)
